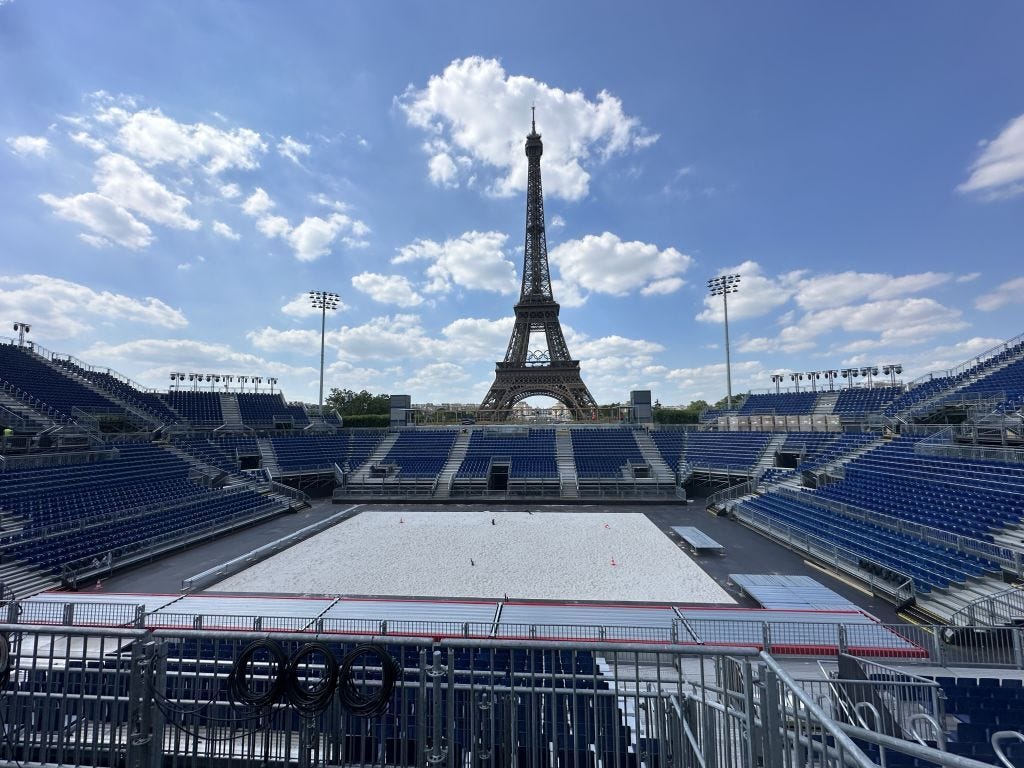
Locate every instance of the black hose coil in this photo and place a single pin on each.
(352, 697)
(311, 700)
(239, 685)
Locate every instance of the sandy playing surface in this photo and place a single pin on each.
(548, 555)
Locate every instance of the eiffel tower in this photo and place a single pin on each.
(526, 372)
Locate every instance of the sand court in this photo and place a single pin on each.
(540, 555)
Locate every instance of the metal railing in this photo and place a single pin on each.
(997, 609)
(186, 697)
(967, 365)
(732, 492)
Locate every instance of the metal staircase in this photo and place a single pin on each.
(767, 458)
(566, 465)
(660, 471)
(25, 580)
(231, 412)
(825, 404)
(147, 416)
(21, 417)
(455, 457)
(268, 458)
(362, 473)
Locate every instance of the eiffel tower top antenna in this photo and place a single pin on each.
(533, 119)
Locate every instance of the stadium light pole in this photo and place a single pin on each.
(323, 300)
(22, 329)
(796, 377)
(831, 376)
(271, 382)
(777, 378)
(722, 286)
(892, 370)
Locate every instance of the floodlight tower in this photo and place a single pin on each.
(777, 378)
(892, 370)
(22, 329)
(323, 300)
(722, 286)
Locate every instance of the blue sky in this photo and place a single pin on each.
(177, 175)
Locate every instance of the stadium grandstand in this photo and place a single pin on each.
(861, 556)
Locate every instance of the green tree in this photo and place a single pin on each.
(349, 403)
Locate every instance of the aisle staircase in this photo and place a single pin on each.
(566, 465)
(268, 458)
(451, 467)
(26, 418)
(231, 412)
(767, 459)
(660, 471)
(146, 416)
(825, 404)
(362, 473)
(24, 580)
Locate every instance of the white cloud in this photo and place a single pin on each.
(758, 294)
(155, 138)
(442, 170)
(1010, 292)
(476, 115)
(257, 204)
(121, 180)
(614, 346)
(109, 222)
(567, 294)
(273, 226)
(557, 222)
(292, 340)
(301, 306)
(230, 191)
(668, 285)
(473, 338)
(312, 238)
(606, 264)
(999, 170)
(474, 260)
(969, 277)
(25, 146)
(63, 309)
(387, 289)
(84, 139)
(225, 230)
(161, 356)
(904, 321)
(831, 290)
(386, 338)
(292, 149)
(435, 382)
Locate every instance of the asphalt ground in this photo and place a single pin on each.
(745, 550)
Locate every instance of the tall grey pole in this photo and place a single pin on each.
(323, 332)
(728, 363)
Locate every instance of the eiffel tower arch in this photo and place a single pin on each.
(543, 367)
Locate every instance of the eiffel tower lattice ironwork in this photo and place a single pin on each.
(526, 372)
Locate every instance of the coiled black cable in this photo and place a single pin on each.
(349, 693)
(239, 685)
(311, 700)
